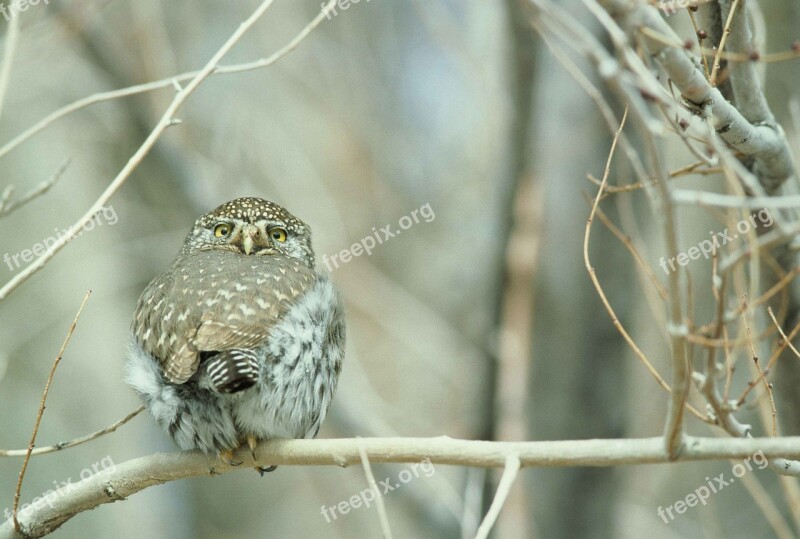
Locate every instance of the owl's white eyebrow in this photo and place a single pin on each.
(219, 222)
(269, 225)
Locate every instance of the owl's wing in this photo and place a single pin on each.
(166, 331)
(233, 307)
(213, 336)
(262, 301)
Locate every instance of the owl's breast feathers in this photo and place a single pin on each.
(214, 301)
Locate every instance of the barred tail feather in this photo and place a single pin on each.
(231, 371)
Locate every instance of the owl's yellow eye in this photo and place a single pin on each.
(222, 229)
(278, 234)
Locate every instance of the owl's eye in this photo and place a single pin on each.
(278, 234)
(222, 229)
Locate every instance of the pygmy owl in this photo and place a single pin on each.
(240, 340)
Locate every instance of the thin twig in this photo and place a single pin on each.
(725, 33)
(71, 443)
(673, 428)
(786, 339)
(168, 82)
(12, 37)
(767, 505)
(387, 531)
(719, 292)
(510, 472)
(719, 200)
(782, 283)
(782, 345)
(167, 119)
(41, 409)
(675, 123)
(628, 243)
(765, 143)
(596, 282)
(699, 42)
(761, 374)
(7, 206)
(739, 57)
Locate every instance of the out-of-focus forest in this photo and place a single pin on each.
(480, 321)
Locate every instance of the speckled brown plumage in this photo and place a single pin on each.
(214, 301)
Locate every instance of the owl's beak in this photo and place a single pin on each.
(247, 244)
(249, 235)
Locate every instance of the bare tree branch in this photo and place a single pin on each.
(510, 472)
(719, 200)
(387, 530)
(765, 142)
(7, 205)
(712, 79)
(118, 482)
(72, 443)
(744, 78)
(168, 82)
(167, 119)
(40, 413)
(12, 37)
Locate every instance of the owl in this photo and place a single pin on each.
(241, 340)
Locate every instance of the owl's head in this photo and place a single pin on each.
(252, 227)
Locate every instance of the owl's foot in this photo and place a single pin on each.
(262, 471)
(252, 443)
(227, 457)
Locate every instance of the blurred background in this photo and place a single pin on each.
(479, 324)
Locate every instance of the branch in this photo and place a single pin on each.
(72, 443)
(120, 481)
(599, 288)
(506, 482)
(719, 200)
(387, 531)
(12, 37)
(744, 78)
(39, 415)
(712, 79)
(7, 205)
(167, 119)
(764, 142)
(168, 82)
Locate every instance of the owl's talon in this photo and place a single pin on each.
(227, 458)
(262, 471)
(252, 443)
